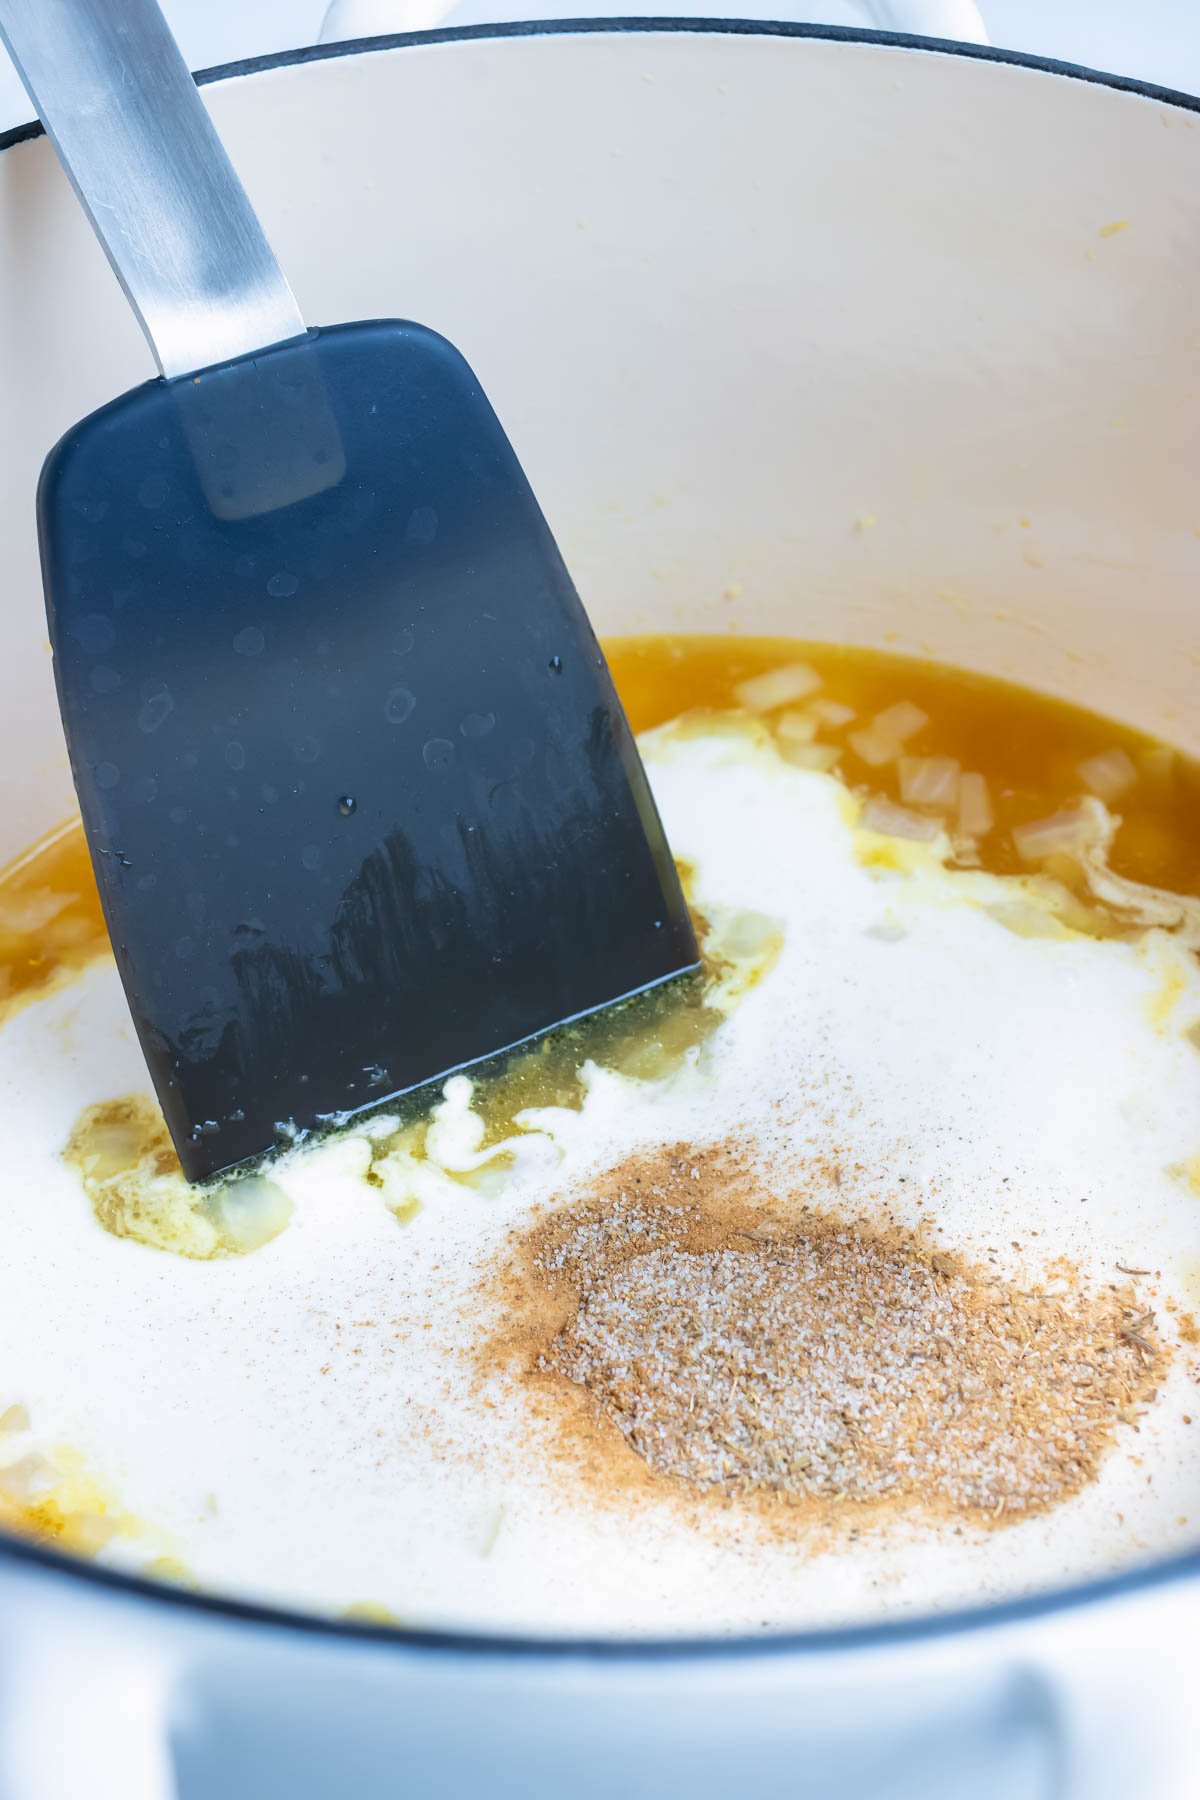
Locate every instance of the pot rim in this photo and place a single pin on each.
(681, 25)
(885, 1634)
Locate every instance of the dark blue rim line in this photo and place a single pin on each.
(657, 1650)
(837, 34)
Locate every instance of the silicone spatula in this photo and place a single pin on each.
(361, 800)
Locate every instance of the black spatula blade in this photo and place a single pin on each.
(361, 800)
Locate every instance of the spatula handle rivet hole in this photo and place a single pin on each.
(556, 665)
(347, 805)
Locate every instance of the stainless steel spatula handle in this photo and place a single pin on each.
(132, 132)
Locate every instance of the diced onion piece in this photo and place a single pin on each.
(812, 756)
(91, 1532)
(1157, 761)
(900, 722)
(14, 1419)
(976, 815)
(873, 748)
(833, 713)
(890, 820)
(1062, 834)
(1109, 775)
(23, 1479)
(32, 912)
(250, 1210)
(796, 727)
(778, 687)
(929, 781)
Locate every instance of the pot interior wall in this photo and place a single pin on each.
(839, 339)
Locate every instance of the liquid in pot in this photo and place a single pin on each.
(852, 1277)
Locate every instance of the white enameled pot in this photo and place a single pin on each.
(896, 344)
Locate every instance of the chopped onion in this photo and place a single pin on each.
(887, 932)
(873, 748)
(1141, 904)
(778, 687)
(32, 912)
(811, 756)
(900, 722)
(976, 815)
(25, 1478)
(796, 727)
(929, 781)
(833, 713)
(884, 738)
(1157, 761)
(890, 820)
(1063, 833)
(1110, 774)
(383, 1125)
(91, 1532)
(250, 1210)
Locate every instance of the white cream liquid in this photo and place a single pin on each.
(301, 1423)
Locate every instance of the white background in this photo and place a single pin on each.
(1158, 40)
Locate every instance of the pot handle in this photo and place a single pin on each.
(348, 19)
(82, 1717)
(959, 20)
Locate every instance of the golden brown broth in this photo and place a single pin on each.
(50, 917)
(1028, 747)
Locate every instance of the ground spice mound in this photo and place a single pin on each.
(755, 1346)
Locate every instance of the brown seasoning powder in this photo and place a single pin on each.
(748, 1346)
